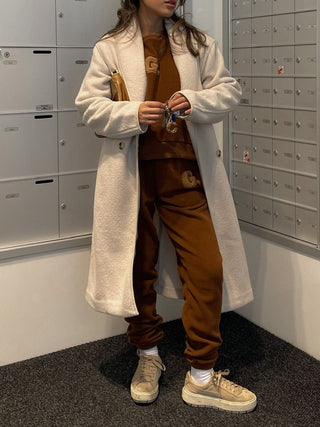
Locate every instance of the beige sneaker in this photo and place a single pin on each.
(144, 384)
(219, 393)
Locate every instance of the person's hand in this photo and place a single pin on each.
(150, 112)
(180, 103)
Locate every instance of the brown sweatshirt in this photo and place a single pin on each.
(162, 81)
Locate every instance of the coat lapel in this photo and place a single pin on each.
(187, 65)
(130, 54)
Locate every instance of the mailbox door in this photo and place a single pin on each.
(79, 148)
(306, 225)
(83, 13)
(305, 60)
(35, 66)
(306, 93)
(262, 91)
(306, 158)
(24, 16)
(262, 211)
(241, 8)
(242, 147)
(283, 154)
(241, 119)
(262, 150)
(242, 176)
(306, 125)
(76, 193)
(28, 145)
(73, 64)
(241, 33)
(241, 62)
(29, 211)
(243, 204)
(306, 191)
(262, 181)
(283, 29)
(283, 6)
(284, 217)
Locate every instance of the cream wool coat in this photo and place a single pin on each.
(212, 93)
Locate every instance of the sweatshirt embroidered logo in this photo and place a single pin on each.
(152, 65)
(189, 180)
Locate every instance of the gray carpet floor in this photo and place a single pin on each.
(88, 385)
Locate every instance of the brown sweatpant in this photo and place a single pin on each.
(174, 187)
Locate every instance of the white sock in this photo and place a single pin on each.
(201, 376)
(151, 351)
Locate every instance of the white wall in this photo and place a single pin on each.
(43, 309)
(286, 286)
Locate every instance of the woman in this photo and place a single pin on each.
(162, 201)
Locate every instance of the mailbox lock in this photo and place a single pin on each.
(275, 60)
(255, 149)
(275, 29)
(254, 60)
(299, 221)
(235, 61)
(255, 208)
(61, 79)
(275, 91)
(298, 92)
(236, 174)
(276, 214)
(298, 124)
(62, 142)
(298, 27)
(254, 120)
(236, 146)
(235, 4)
(255, 90)
(275, 152)
(298, 60)
(63, 206)
(235, 117)
(298, 188)
(60, 15)
(276, 183)
(255, 178)
(298, 156)
(275, 122)
(235, 33)
(254, 31)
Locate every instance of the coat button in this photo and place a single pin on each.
(218, 153)
(121, 145)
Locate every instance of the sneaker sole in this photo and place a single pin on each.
(144, 398)
(193, 399)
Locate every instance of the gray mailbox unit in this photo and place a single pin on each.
(273, 134)
(48, 158)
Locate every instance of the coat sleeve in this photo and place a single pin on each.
(113, 119)
(220, 93)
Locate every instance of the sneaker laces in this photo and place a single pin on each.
(148, 366)
(218, 380)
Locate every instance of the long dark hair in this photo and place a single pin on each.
(128, 10)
